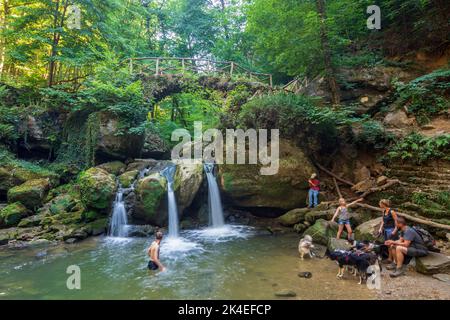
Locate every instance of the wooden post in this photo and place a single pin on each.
(231, 69)
(182, 66)
(270, 81)
(157, 67)
(131, 65)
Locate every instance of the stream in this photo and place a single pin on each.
(232, 262)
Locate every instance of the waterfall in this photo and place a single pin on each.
(119, 220)
(169, 174)
(215, 204)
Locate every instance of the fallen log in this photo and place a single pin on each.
(409, 217)
(334, 175)
(387, 185)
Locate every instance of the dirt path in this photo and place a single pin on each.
(413, 286)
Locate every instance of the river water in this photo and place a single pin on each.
(231, 263)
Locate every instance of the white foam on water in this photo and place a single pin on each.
(221, 234)
(172, 245)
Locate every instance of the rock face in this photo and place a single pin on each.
(398, 119)
(188, 180)
(14, 175)
(293, 217)
(31, 193)
(11, 215)
(97, 188)
(321, 231)
(368, 230)
(110, 144)
(154, 146)
(244, 186)
(149, 205)
(433, 263)
(126, 179)
(338, 244)
(114, 167)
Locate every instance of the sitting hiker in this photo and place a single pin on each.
(408, 246)
(314, 188)
(344, 217)
(389, 226)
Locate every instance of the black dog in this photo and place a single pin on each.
(359, 258)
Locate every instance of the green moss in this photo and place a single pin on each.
(97, 188)
(126, 179)
(114, 167)
(91, 138)
(11, 215)
(90, 215)
(31, 193)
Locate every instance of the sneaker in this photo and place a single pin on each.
(391, 266)
(397, 273)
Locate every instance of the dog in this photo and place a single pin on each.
(304, 247)
(358, 259)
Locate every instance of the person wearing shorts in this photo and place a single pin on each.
(344, 218)
(388, 227)
(409, 245)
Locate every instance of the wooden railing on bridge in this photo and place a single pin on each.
(174, 65)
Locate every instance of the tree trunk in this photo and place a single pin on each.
(58, 22)
(3, 42)
(329, 70)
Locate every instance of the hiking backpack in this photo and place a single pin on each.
(427, 238)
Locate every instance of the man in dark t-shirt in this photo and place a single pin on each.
(410, 245)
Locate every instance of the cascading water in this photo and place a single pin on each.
(119, 220)
(169, 174)
(216, 219)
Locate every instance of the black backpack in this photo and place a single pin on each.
(427, 238)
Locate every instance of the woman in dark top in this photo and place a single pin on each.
(389, 227)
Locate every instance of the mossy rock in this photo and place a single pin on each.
(12, 175)
(313, 215)
(293, 217)
(11, 215)
(187, 181)
(64, 203)
(126, 179)
(97, 188)
(32, 221)
(114, 167)
(244, 186)
(97, 227)
(150, 193)
(322, 230)
(368, 230)
(31, 193)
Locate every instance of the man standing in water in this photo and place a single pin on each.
(153, 253)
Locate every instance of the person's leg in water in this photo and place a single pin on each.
(339, 233)
(349, 231)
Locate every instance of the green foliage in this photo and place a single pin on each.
(419, 149)
(373, 135)
(427, 95)
(9, 119)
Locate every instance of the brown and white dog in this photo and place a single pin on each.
(305, 245)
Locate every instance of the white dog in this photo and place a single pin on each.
(305, 245)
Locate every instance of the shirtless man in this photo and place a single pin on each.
(153, 253)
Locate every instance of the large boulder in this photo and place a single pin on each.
(433, 263)
(126, 179)
(113, 167)
(31, 193)
(149, 206)
(188, 179)
(111, 142)
(321, 231)
(244, 186)
(154, 146)
(97, 188)
(368, 230)
(11, 215)
(12, 175)
(338, 244)
(293, 217)
(398, 119)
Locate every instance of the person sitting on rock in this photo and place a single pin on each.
(344, 217)
(389, 226)
(314, 189)
(408, 246)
